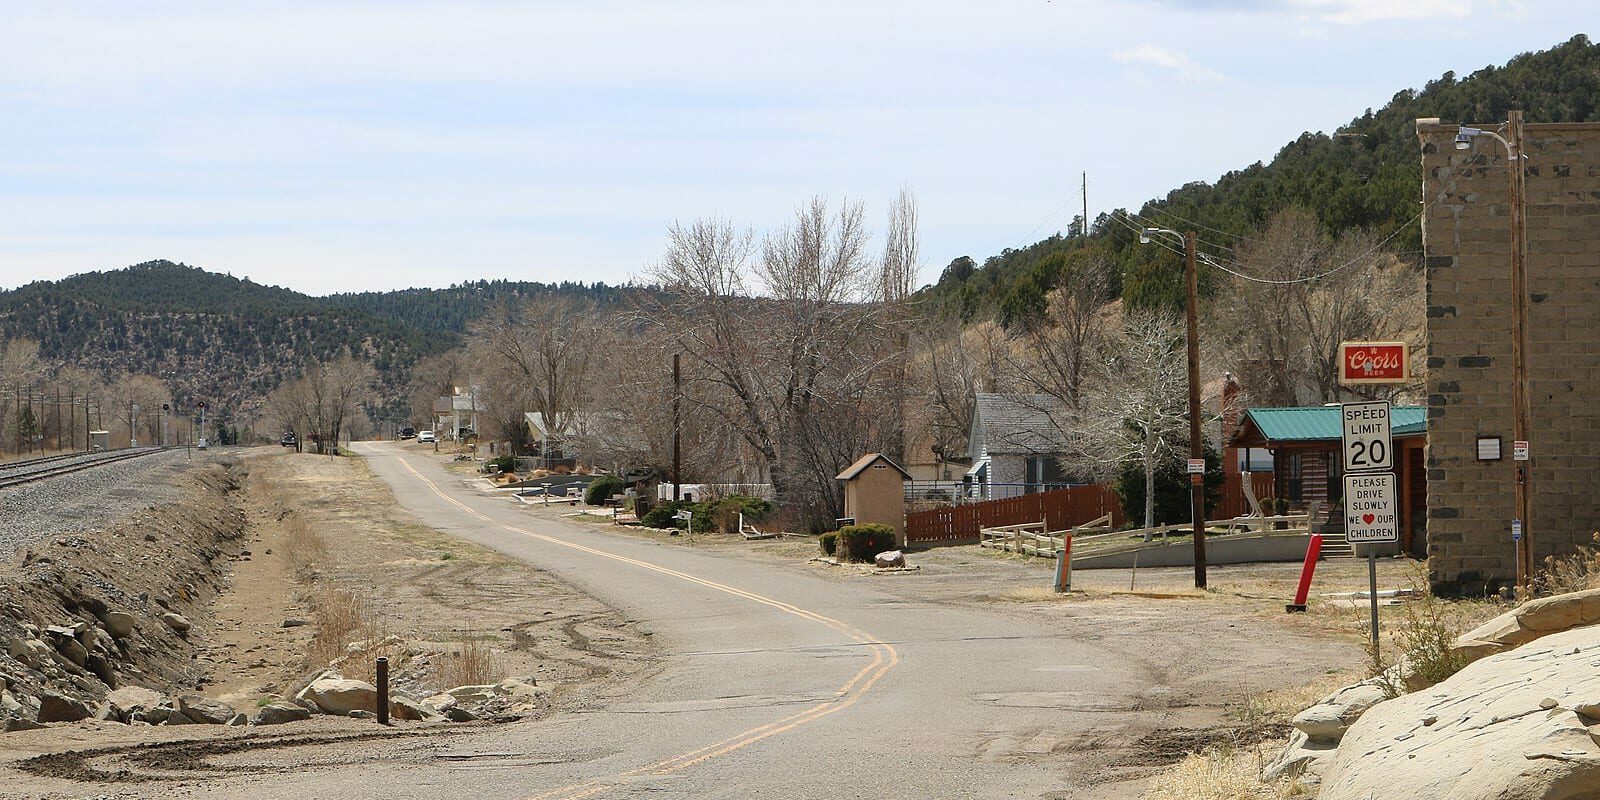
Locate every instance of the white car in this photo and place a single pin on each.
(426, 436)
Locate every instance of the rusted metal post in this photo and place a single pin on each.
(383, 690)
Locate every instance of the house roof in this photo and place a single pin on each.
(1320, 423)
(535, 420)
(867, 461)
(1019, 423)
(442, 405)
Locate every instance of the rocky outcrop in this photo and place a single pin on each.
(1530, 621)
(1318, 730)
(1520, 724)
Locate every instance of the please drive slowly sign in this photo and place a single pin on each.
(1370, 511)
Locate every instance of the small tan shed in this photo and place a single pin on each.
(874, 491)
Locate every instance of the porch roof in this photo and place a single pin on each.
(1317, 424)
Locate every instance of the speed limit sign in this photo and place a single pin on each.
(1367, 443)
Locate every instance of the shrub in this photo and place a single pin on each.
(505, 463)
(725, 512)
(829, 542)
(862, 542)
(1172, 489)
(664, 516)
(601, 489)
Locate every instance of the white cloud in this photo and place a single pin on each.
(1178, 63)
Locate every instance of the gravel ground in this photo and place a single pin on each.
(91, 498)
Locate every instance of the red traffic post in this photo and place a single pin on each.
(1306, 572)
(1064, 565)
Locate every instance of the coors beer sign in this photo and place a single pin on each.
(1373, 362)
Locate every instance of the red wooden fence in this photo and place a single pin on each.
(1060, 509)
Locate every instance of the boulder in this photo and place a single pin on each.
(1506, 727)
(514, 688)
(1303, 757)
(31, 652)
(206, 712)
(440, 702)
(119, 624)
(130, 699)
(55, 707)
(13, 724)
(238, 720)
(407, 709)
(458, 714)
(892, 558)
(1529, 621)
(1328, 720)
(472, 694)
(176, 621)
(340, 696)
(279, 713)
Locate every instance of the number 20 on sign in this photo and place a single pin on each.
(1367, 443)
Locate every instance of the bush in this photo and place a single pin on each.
(505, 463)
(725, 512)
(862, 542)
(829, 542)
(664, 516)
(1172, 489)
(601, 489)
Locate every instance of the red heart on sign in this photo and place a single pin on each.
(1367, 518)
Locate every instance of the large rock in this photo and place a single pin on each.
(130, 700)
(1328, 720)
(1530, 621)
(279, 713)
(891, 558)
(407, 709)
(119, 624)
(177, 622)
(1513, 726)
(340, 696)
(61, 708)
(206, 712)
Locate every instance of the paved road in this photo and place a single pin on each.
(779, 683)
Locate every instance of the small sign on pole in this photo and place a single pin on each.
(1374, 363)
(1197, 466)
(1519, 451)
(1516, 530)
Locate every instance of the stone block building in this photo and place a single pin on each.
(1467, 247)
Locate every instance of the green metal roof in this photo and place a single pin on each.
(1317, 423)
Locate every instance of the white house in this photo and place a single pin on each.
(1016, 445)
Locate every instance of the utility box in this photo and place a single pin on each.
(874, 491)
(99, 440)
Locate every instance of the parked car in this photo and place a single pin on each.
(426, 436)
(289, 440)
(408, 432)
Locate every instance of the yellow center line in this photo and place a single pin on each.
(885, 657)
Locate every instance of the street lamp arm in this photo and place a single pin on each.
(1145, 234)
(1465, 132)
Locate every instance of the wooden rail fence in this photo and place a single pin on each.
(1058, 510)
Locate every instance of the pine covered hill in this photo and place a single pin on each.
(229, 341)
(1364, 176)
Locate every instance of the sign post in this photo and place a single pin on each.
(1371, 507)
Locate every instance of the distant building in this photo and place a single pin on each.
(1016, 445)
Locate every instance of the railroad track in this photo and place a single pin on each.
(38, 469)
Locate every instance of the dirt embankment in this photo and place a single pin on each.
(284, 564)
(91, 611)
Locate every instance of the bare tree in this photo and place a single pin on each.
(323, 400)
(540, 356)
(789, 368)
(1062, 342)
(1281, 337)
(1135, 406)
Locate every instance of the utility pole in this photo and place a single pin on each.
(677, 424)
(58, 418)
(1519, 344)
(1085, 232)
(1197, 483)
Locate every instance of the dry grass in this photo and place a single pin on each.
(1221, 773)
(302, 545)
(471, 663)
(1572, 573)
(1416, 638)
(345, 618)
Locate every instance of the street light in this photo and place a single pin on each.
(1197, 497)
(1519, 328)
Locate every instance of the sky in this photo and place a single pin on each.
(346, 146)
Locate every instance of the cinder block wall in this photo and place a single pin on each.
(1467, 243)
